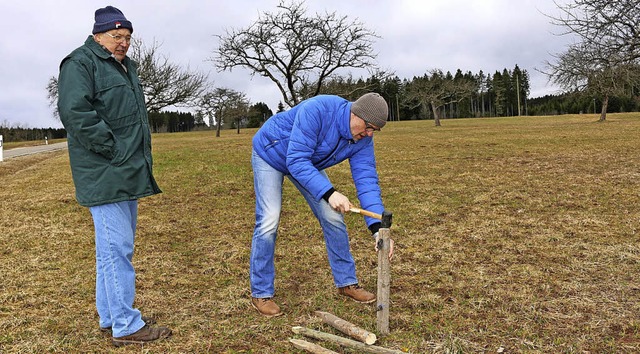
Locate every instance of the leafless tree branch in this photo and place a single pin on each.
(296, 51)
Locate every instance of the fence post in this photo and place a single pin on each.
(1, 147)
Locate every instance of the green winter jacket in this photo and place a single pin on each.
(102, 109)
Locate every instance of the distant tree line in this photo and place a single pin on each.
(18, 133)
(579, 103)
(160, 122)
(237, 114)
(172, 122)
(437, 95)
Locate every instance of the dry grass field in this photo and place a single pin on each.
(513, 235)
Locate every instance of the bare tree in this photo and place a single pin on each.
(222, 103)
(604, 60)
(296, 51)
(52, 95)
(238, 112)
(610, 25)
(164, 83)
(436, 92)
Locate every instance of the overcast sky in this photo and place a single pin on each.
(415, 37)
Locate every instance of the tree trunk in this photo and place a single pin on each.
(218, 123)
(603, 113)
(436, 117)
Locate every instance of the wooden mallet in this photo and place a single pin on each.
(384, 267)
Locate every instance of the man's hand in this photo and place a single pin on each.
(377, 235)
(339, 202)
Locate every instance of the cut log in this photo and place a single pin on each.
(347, 328)
(384, 282)
(345, 342)
(310, 347)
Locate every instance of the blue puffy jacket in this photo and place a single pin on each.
(315, 135)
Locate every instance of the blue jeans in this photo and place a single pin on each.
(115, 226)
(268, 189)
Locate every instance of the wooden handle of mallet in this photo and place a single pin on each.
(365, 212)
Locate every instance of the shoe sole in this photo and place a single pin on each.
(123, 342)
(265, 315)
(358, 301)
(362, 302)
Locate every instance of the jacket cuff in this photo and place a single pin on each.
(328, 194)
(375, 227)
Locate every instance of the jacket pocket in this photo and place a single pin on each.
(116, 101)
(121, 122)
(271, 144)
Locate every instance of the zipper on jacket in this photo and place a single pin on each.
(271, 144)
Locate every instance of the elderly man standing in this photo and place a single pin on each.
(300, 144)
(102, 107)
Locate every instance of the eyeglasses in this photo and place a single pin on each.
(119, 38)
(370, 128)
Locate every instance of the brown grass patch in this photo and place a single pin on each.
(514, 234)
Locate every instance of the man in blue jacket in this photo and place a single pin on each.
(300, 144)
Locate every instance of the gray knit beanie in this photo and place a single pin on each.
(372, 108)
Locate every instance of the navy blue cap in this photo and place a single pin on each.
(110, 18)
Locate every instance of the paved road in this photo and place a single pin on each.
(29, 150)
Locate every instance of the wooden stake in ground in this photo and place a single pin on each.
(345, 342)
(347, 328)
(384, 274)
(310, 347)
